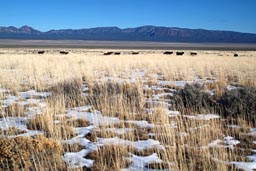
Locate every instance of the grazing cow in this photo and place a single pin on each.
(179, 53)
(63, 52)
(235, 55)
(117, 53)
(168, 53)
(193, 53)
(40, 52)
(135, 53)
(108, 53)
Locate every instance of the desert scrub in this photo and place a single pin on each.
(11, 131)
(236, 103)
(110, 157)
(78, 123)
(31, 153)
(69, 92)
(117, 99)
(13, 110)
(192, 99)
(240, 102)
(45, 124)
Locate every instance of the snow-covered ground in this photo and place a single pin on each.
(161, 97)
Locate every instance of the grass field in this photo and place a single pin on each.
(145, 111)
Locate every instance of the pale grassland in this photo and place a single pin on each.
(21, 70)
(38, 70)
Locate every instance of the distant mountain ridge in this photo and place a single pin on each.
(143, 33)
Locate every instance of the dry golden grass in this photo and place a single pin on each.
(64, 75)
(110, 157)
(13, 110)
(33, 70)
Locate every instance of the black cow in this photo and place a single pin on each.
(179, 53)
(235, 55)
(63, 52)
(40, 52)
(108, 53)
(117, 53)
(168, 53)
(135, 53)
(193, 53)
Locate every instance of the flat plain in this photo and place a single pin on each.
(126, 108)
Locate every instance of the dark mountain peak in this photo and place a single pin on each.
(25, 27)
(28, 29)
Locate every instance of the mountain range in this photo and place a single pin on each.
(144, 33)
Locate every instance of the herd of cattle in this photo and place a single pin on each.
(165, 53)
(61, 52)
(178, 53)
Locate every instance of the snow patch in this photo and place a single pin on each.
(203, 116)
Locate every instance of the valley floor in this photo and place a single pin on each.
(127, 110)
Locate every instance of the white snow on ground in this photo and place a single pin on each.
(95, 117)
(173, 113)
(139, 145)
(252, 131)
(29, 101)
(17, 122)
(120, 131)
(230, 87)
(141, 124)
(175, 83)
(20, 122)
(203, 116)
(32, 111)
(83, 141)
(137, 74)
(117, 80)
(77, 160)
(147, 144)
(83, 131)
(139, 162)
(113, 141)
(248, 166)
(84, 87)
(33, 93)
(228, 142)
(234, 126)
(22, 99)
(9, 100)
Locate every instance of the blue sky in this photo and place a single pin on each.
(236, 15)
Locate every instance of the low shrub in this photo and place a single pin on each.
(240, 102)
(31, 153)
(192, 99)
(236, 103)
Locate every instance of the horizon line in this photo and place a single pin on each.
(123, 28)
